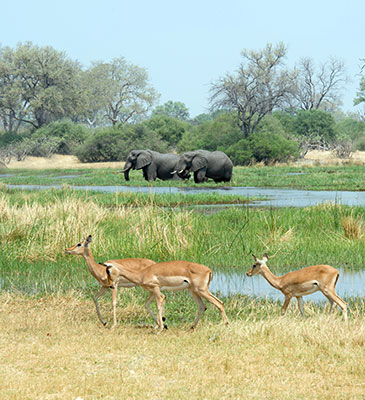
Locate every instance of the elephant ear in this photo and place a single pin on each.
(198, 162)
(144, 158)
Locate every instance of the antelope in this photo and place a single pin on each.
(171, 276)
(100, 273)
(302, 282)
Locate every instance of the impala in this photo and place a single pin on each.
(302, 282)
(170, 276)
(99, 272)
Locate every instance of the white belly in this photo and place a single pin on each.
(174, 283)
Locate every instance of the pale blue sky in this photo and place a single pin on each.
(188, 44)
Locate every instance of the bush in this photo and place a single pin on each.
(272, 147)
(263, 146)
(68, 135)
(114, 143)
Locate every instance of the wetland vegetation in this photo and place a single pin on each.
(47, 312)
(335, 177)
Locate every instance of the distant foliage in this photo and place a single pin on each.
(114, 143)
(68, 135)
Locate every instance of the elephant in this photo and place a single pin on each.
(154, 164)
(205, 164)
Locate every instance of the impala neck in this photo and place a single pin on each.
(130, 274)
(97, 271)
(274, 280)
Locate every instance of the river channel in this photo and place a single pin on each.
(273, 197)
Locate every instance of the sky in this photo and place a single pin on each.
(187, 45)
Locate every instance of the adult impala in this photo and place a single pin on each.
(99, 272)
(302, 282)
(171, 276)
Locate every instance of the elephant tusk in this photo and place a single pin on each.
(181, 171)
(173, 172)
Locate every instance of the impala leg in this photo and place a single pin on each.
(201, 308)
(114, 301)
(300, 305)
(147, 305)
(215, 301)
(160, 299)
(285, 305)
(337, 299)
(96, 297)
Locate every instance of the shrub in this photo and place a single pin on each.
(272, 147)
(114, 143)
(68, 134)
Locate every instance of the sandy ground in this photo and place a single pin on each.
(58, 161)
(64, 161)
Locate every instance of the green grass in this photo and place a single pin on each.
(36, 227)
(344, 177)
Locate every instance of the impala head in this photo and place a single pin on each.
(79, 248)
(256, 268)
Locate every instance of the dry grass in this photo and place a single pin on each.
(59, 161)
(54, 348)
(353, 227)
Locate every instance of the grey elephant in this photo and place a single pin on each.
(205, 164)
(154, 164)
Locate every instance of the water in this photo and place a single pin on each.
(273, 197)
(350, 284)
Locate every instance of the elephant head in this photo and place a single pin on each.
(191, 161)
(136, 159)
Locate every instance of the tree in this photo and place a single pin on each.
(315, 129)
(174, 109)
(260, 85)
(168, 128)
(360, 95)
(122, 90)
(319, 89)
(38, 85)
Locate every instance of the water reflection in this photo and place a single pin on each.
(350, 284)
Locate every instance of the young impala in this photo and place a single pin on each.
(302, 282)
(171, 276)
(99, 272)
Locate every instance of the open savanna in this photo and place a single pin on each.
(52, 345)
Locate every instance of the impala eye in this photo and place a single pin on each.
(79, 245)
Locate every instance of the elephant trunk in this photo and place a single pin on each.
(127, 168)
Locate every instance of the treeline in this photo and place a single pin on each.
(262, 112)
(280, 137)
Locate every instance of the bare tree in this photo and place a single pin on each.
(319, 88)
(260, 85)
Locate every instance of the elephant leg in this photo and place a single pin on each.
(199, 176)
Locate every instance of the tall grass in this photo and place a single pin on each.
(34, 232)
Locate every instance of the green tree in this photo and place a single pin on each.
(212, 135)
(174, 109)
(169, 129)
(38, 85)
(315, 126)
(122, 90)
(260, 85)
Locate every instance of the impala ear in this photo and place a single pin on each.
(254, 257)
(87, 240)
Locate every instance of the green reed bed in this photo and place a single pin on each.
(35, 227)
(340, 177)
